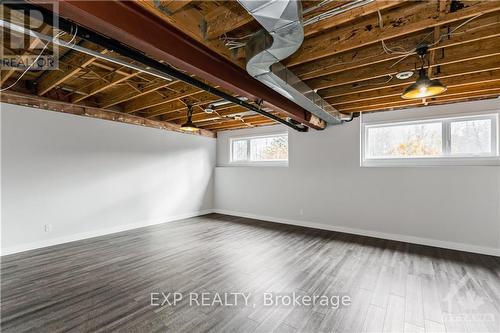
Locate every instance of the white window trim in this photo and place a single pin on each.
(447, 119)
(273, 163)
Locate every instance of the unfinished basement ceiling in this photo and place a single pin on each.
(350, 57)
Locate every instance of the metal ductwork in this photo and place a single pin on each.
(282, 36)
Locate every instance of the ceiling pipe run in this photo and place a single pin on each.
(51, 39)
(157, 68)
(281, 37)
(154, 38)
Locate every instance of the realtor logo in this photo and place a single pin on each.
(20, 48)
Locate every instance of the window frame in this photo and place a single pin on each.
(447, 159)
(281, 163)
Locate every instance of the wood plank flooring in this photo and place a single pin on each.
(104, 284)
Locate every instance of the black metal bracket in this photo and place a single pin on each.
(136, 55)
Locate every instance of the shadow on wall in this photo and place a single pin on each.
(80, 175)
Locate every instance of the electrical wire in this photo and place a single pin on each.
(59, 34)
(335, 11)
(384, 46)
(313, 8)
(375, 84)
(403, 58)
(347, 62)
(452, 31)
(411, 52)
(393, 51)
(69, 44)
(235, 42)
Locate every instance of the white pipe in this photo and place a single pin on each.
(57, 41)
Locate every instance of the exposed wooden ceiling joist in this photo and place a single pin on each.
(172, 6)
(454, 70)
(34, 42)
(451, 92)
(341, 56)
(488, 52)
(155, 38)
(77, 60)
(178, 106)
(479, 78)
(105, 83)
(49, 104)
(398, 104)
(403, 21)
(227, 17)
(481, 28)
(177, 91)
(121, 97)
(348, 16)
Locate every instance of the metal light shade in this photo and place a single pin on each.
(189, 126)
(424, 87)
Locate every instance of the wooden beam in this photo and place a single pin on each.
(456, 79)
(172, 6)
(475, 31)
(480, 78)
(348, 16)
(398, 103)
(442, 5)
(180, 107)
(352, 59)
(465, 55)
(224, 19)
(390, 99)
(403, 21)
(177, 91)
(80, 110)
(216, 121)
(188, 21)
(78, 61)
(248, 124)
(32, 44)
(152, 36)
(432, 53)
(175, 115)
(201, 116)
(103, 84)
(240, 127)
(237, 123)
(140, 91)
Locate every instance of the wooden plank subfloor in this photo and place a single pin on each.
(104, 284)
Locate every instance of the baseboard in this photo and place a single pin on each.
(362, 232)
(97, 233)
(396, 237)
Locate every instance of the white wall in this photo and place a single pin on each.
(449, 206)
(87, 177)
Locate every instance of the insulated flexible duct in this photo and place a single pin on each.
(282, 36)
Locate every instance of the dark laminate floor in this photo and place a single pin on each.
(104, 284)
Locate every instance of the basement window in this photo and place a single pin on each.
(260, 150)
(462, 140)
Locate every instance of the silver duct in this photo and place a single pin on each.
(282, 36)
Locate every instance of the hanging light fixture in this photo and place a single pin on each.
(189, 126)
(423, 87)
